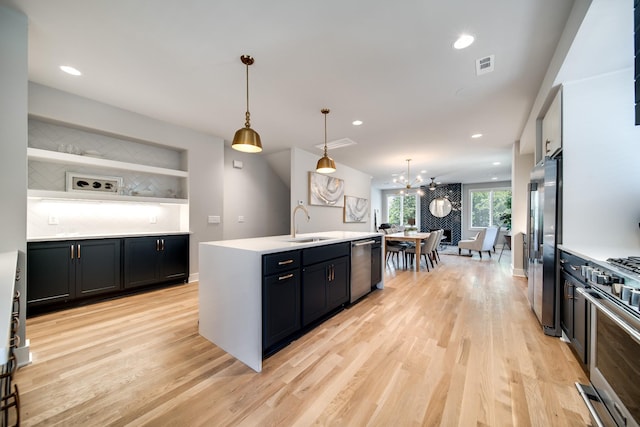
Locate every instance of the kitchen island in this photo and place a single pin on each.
(231, 286)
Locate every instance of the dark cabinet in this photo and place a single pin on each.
(574, 316)
(280, 298)
(61, 271)
(376, 262)
(151, 260)
(325, 280)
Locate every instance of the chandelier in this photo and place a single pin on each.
(407, 182)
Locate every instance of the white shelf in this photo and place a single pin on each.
(74, 159)
(99, 196)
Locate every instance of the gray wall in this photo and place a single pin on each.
(255, 192)
(13, 140)
(323, 218)
(205, 157)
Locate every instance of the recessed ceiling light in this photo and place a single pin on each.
(496, 163)
(356, 122)
(476, 135)
(495, 178)
(465, 40)
(70, 70)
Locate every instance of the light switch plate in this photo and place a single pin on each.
(213, 219)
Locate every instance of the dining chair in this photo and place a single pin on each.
(426, 251)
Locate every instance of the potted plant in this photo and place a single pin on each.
(505, 217)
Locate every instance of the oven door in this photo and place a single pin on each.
(614, 365)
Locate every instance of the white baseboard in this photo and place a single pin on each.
(518, 272)
(23, 354)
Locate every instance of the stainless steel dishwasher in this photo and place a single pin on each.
(360, 268)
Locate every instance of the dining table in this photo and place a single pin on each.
(416, 238)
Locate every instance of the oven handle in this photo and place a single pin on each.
(610, 314)
(587, 396)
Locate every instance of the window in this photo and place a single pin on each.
(488, 205)
(402, 210)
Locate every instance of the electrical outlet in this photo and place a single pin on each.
(53, 220)
(241, 218)
(153, 219)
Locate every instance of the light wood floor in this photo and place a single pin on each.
(456, 346)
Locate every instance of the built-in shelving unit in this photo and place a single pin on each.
(74, 159)
(57, 195)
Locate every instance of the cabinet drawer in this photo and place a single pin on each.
(281, 261)
(326, 252)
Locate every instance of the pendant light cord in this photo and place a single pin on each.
(246, 123)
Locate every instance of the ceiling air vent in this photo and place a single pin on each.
(339, 143)
(485, 65)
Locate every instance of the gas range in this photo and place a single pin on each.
(619, 278)
(631, 264)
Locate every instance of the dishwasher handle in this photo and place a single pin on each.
(365, 243)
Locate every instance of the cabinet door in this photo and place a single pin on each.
(552, 127)
(97, 266)
(338, 283)
(141, 257)
(376, 265)
(174, 263)
(280, 307)
(580, 326)
(314, 292)
(51, 270)
(566, 309)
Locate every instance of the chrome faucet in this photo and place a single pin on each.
(293, 219)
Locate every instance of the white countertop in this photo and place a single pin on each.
(79, 236)
(8, 264)
(263, 245)
(599, 253)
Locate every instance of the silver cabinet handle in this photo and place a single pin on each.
(72, 252)
(285, 277)
(157, 245)
(368, 242)
(78, 250)
(289, 261)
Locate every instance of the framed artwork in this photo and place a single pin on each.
(325, 190)
(84, 182)
(356, 209)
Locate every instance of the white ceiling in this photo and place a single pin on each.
(389, 64)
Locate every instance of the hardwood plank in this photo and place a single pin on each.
(455, 346)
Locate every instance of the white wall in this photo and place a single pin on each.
(205, 157)
(325, 218)
(600, 162)
(256, 193)
(13, 140)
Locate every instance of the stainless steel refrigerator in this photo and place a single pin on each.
(543, 236)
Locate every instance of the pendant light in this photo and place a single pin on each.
(326, 163)
(247, 139)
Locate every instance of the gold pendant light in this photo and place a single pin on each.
(326, 163)
(247, 139)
